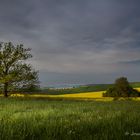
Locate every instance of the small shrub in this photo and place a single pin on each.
(121, 88)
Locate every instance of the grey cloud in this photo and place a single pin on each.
(76, 36)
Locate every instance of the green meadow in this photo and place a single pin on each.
(43, 119)
(81, 89)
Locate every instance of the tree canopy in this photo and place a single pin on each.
(121, 88)
(15, 72)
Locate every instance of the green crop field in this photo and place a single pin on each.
(81, 89)
(42, 119)
(96, 96)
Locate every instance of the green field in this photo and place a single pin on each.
(94, 96)
(86, 88)
(42, 119)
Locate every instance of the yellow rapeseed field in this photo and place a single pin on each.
(98, 96)
(74, 95)
(83, 95)
(137, 89)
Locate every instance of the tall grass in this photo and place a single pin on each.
(31, 119)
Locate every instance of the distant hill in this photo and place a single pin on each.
(135, 84)
(84, 88)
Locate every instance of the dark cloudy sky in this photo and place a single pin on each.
(76, 41)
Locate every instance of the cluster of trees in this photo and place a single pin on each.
(15, 74)
(121, 88)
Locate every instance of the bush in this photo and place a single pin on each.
(121, 88)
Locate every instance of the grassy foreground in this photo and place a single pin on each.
(41, 119)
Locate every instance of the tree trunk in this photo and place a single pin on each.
(6, 90)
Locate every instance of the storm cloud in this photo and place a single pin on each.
(76, 41)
